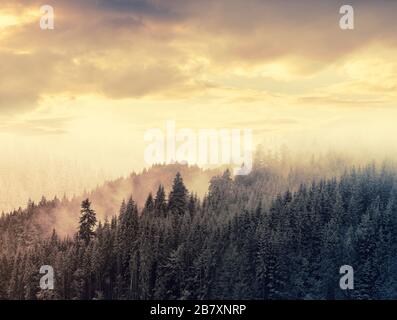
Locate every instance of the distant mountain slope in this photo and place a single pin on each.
(106, 199)
(270, 176)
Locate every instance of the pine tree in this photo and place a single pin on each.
(177, 203)
(160, 202)
(149, 205)
(87, 221)
(220, 191)
(192, 205)
(128, 242)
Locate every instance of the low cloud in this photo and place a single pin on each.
(44, 126)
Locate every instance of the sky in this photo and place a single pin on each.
(76, 101)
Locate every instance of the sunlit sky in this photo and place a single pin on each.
(76, 101)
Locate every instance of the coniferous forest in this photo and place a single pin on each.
(245, 239)
(205, 158)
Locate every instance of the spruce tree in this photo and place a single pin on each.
(128, 236)
(160, 203)
(178, 198)
(149, 205)
(87, 221)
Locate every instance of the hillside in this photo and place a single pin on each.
(270, 176)
(221, 247)
(63, 214)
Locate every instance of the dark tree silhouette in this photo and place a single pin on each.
(178, 199)
(87, 221)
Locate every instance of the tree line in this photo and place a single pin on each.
(223, 246)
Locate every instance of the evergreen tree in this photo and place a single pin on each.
(257, 237)
(87, 221)
(178, 198)
(128, 241)
(149, 205)
(160, 202)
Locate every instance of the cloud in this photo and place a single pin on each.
(42, 126)
(282, 67)
(155, 9)
(22, 78)
(128, 49)
(340, 101)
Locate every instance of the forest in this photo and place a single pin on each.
(261, 236)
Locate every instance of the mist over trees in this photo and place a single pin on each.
(269, 235)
